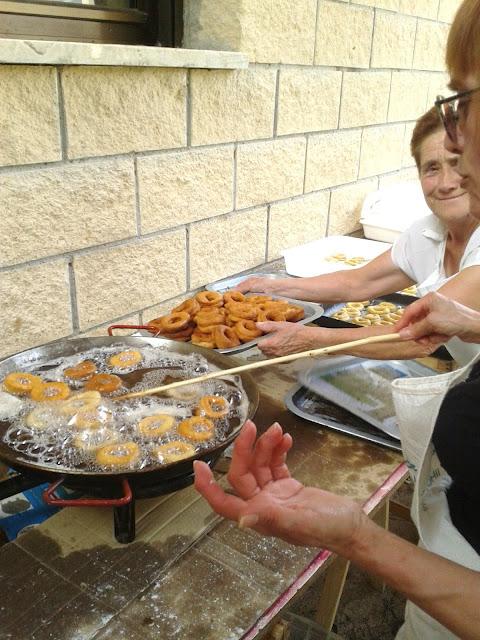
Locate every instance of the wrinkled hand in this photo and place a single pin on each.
(259, 285)
(273, 503)
(285, 337)
(434, 319)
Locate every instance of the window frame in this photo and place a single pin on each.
(152, 22)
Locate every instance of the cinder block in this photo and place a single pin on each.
(346, 205)
(232, 105)
(393, 41)
(34, 306)
(114, 282)
(447, 10)
(29, 116)
(422, 8)
(344, 35)
(364, 98)
(332, 158)
(309, 100)
(111, 110)
(382, 149)
(221, 247)
(62, 208)
(271, 170)
(181, 187)
(297, 221)
(430, 43)
(408, 95)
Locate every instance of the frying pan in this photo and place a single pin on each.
(36, 358)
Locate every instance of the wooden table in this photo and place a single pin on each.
(188, 574)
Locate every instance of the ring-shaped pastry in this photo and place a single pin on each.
(213, 407)
(190, 305)
(294, 313)
(81, 370)
(92, 440)
(276, 316)
(120, 454)
(197, 428)
(50, 392)
(172, 322)
(209, 299)
(91, 418)
(125, 359)
(233, 296)
(243, 310)
(247, 330)
(204, 340)
(355, 305)
(256, 300)
(225, 337)
(156, 425)
(80, 401)
(173, 451)
(104, 383)
(20, 384)
(40, 418)
(365, 322)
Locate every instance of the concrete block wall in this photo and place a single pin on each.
(122, 189)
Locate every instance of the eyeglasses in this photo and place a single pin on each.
(452, 110)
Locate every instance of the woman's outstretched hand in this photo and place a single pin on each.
(273, 503)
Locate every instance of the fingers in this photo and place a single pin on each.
(278, 464)
(240, 474)
(264, 451)
(270, 327)
(224, 504)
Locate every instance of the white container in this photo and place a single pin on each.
(388, 212)
(314, 258)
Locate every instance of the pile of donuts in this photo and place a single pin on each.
(366, 314)
(353, 261)
(221, 321)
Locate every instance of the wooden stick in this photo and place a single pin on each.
(324, 351)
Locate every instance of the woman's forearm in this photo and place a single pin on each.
(447, 591)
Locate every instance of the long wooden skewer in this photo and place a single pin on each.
(324, 351)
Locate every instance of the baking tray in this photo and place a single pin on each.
(315, 258)
(230, 283)
(363, 387)
(308, 405)
(400, 299)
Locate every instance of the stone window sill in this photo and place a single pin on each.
(116, 55)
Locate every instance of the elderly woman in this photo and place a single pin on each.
(438, 419)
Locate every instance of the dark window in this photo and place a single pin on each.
(151, 22)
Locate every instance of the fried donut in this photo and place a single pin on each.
(125, 359)
(210, 317)
(20, 384)
(294, 313)
(50, 391)
(190, 305)
(209, 299)
(173, 451)
(225, 337)
(355, 305)
(183, 335)
(81, 370)
(247, 330)
(156, 425)
(233, 296)
(213, 407)
(80, 401)
(203, 339)
(275, 315)
(365, 322)
(197, 428)
(173, 322)
(259, 299)
(91, 440)
(103, 382)
(40, 418)
(120, 454)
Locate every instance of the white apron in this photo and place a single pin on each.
(417, 403)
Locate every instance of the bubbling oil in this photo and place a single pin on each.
(49, 435)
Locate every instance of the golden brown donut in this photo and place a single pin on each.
(183, 335)
(81, 370)
(104, 383)
(50, 391)
(20, 384)
(225, 337)
(91, 418)
(156, 425)
(243, 310)
(233, 296)
(209, 299)
(259, 299)
(173, 451)
(203, 339)
(247, 330)
(80, 401)
(213, 407)
(190, 305)
(209, 317)
(173, 322)
(294, 313)
(197, 428)
(125, 359)
(120, 454)
(275, 315)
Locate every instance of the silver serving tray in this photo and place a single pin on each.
(230, 283)
(341, 383)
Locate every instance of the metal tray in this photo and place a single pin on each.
(312, 312)
(308, 405)
(230, 283)
(363, 387)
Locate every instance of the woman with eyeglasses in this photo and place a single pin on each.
(439, 419)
